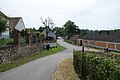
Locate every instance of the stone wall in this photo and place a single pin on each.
(13, 53)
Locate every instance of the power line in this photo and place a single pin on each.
(99, 4)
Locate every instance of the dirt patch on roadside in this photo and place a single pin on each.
(65, 71)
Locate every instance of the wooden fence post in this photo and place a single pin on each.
(18, 39)
(84, 71)
(28, 38)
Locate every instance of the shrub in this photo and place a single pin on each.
(95, 66)
(22, 41)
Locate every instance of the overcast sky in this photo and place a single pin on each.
(87, 14)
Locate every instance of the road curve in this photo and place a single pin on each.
(40, 69)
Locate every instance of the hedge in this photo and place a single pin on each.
(91, 66)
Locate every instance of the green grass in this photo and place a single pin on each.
(6, 41)
(9, 41)
(30, 58)
(71, 42)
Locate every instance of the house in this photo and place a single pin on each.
(74, 38)
(52, 37)
(3, 15)
(6, 33)
(109, 36)
(13, 23)
(16, 25)
(50, 33)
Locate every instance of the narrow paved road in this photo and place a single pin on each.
(40, 69)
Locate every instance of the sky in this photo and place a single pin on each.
(87, 14)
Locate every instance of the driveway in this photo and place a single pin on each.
(40, 69)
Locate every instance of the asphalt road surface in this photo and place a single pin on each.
(40, 69)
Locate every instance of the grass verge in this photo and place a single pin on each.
(70, 42)
(65, 71)
(30, 58)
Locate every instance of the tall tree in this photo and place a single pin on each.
(3, 24)
(41, 28)
(48, 23)
(70, 28)
(60, 31)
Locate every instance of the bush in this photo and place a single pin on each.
(96, 67)
(22, 41)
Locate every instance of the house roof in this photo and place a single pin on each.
(2, 14)
(75, 37)
(50, 34)
(13, 22)
(44, 31)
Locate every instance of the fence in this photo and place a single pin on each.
(100, 44)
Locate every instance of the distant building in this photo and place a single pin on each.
(74, 38)
(50, 33)
(109, 36)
